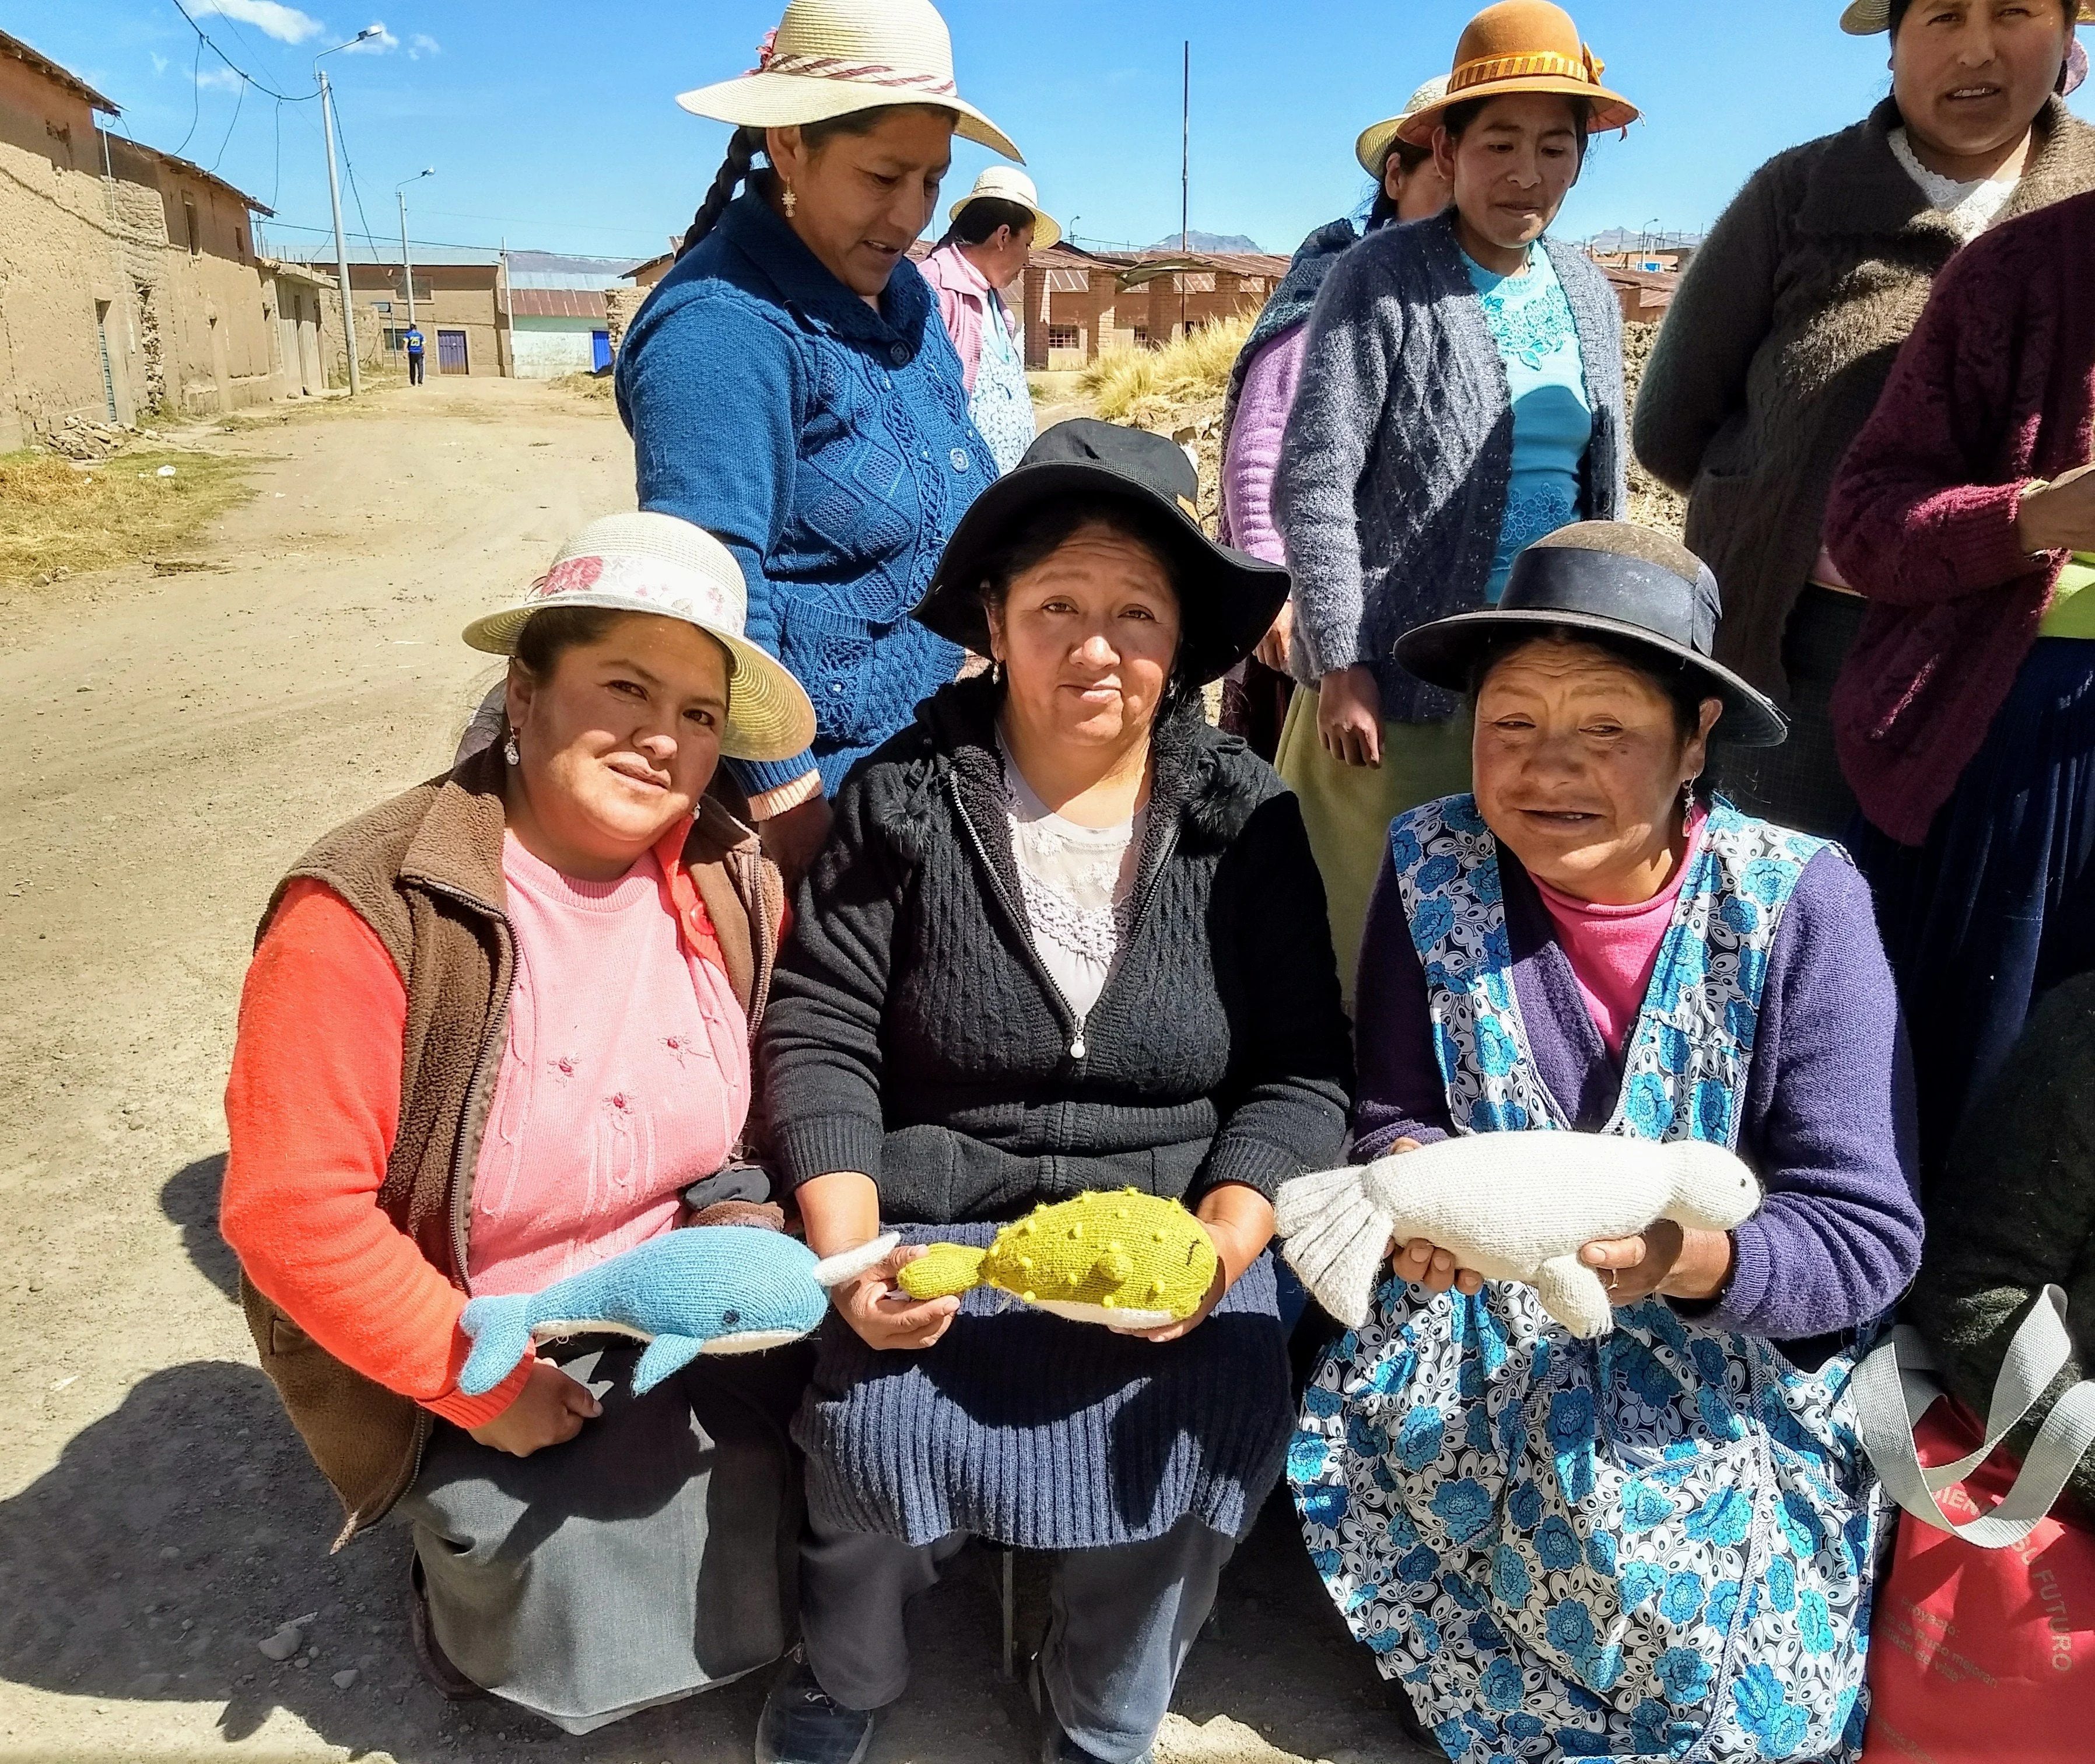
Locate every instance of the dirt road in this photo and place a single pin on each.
(174, 742)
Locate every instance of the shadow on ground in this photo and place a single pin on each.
(176, 1532)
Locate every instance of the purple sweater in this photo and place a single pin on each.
(1828, 1121)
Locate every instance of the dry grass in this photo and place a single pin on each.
(54, 518)
(587, 385)
(1148, 387)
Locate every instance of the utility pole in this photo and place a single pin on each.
(509, 306)
(334, 199)
(1185, 170)
(341, 244)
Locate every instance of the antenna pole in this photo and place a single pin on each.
(1185, 169)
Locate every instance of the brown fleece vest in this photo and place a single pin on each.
(424, 872)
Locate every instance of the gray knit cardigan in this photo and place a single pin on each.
(1395, 469)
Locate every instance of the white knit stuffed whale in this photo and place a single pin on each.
(1513, 1206)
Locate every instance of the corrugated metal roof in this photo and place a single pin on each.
(555, 302)
(52, 72)
(550, 270)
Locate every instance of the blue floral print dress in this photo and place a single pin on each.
(1656, 1545)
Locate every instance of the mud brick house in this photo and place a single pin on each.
(1078, 303)
(130, 283)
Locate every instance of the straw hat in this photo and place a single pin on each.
(1866, 18)
(657, 564)
(1372, 149)
(1006, 184)
(1521, 46)
(830, 58)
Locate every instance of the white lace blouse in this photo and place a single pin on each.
(1078, 884)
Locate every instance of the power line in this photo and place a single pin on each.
(241, 99)
(370, 244)
(196, 92)
(204, 42)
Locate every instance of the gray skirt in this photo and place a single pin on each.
(652, 1556)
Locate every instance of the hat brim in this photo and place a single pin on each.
(770, 715)
(1870, 17)
(1443, 653)
(1228, 599)
(1372, 149)
(1611, 110)
(1046, 230)
(787, 100)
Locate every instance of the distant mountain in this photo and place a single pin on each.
(1227, 243)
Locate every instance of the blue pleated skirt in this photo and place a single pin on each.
(1999, 905)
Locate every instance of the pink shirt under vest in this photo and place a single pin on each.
(1613, 950)
(626, 1077)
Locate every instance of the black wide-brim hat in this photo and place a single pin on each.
(1228, 599)
(1597, 577)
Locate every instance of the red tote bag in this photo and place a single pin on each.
(1982, 1647)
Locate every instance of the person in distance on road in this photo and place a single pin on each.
(1462, 394)
(996, 228)
(434, 1094)
(790, 387)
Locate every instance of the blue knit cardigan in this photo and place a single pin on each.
(1393, 475)
(828, 444)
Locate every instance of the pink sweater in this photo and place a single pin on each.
(625, 1080)
(1613, 950)
(1254, 450)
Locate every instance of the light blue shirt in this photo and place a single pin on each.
(1552, 423)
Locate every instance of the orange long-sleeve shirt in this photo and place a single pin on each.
(312, 1107)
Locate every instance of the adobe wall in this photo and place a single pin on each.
(61, 268)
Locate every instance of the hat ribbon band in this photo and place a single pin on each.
(1586, 68)
(860, 73)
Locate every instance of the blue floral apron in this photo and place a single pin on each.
(1001, 405)
(1657, 1545)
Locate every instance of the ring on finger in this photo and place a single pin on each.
(1611, 1279)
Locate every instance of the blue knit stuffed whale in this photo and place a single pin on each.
(710, 1289)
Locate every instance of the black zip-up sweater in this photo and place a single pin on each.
(914, 1035)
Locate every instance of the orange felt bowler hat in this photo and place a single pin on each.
(1522, 46)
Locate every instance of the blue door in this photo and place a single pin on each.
(600, 347)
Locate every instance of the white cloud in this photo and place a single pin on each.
(418, 45)
(160, 65)
(219, 79)
(381, 42)
(287, 25)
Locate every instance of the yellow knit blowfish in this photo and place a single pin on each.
(1131, 1259)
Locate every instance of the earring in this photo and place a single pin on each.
(509, 750)
(996, 673)
(1687, 800)
(789, 202)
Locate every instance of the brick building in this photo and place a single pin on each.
(1079, 303)
(129, 282)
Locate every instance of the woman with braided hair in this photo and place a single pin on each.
(790, 385)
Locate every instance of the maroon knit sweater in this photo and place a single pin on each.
(1995, 388)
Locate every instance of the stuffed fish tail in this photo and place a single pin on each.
(943, 1271)
(1335, 1238)
(501, 1337)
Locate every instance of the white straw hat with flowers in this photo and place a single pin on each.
(1866, 18)
(830, 57)
(657, 564)
(1372, 149)
(1008, 184)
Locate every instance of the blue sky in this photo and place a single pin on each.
(553, 123)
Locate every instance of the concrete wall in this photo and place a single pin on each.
(548, 348)
(62, 287)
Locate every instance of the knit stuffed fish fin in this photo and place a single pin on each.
(849, 1263)
(1576, 1295)
(501, 1337)
(1335, 1238)
(666, 1355)
(943, 1271)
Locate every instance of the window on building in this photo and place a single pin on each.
(1142, 337)
(190, 220)
(1064, 336)
(382, 306)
